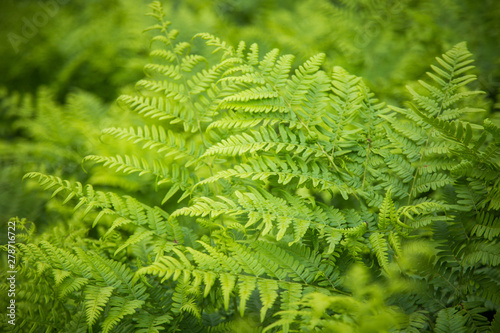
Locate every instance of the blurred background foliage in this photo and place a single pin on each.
(98, 46)
(64, 62)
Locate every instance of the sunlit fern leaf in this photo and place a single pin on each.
(246, 286)
(125, 208)
(457, 131)
(387, 215)
(96, 299)
(297, 262)
(120, 308)
(246, 260)
(115, 274)
(178, 177)
(228, 282)
(408, 129)
(59, 275)
(314, 174)
(215, 41)
(225, 261)
(403, 145)
(264, 92)
(77, 324)
(169, 93)
(213, 266)
(156, 138)
(284, 176)
(269, 214)
(71, 285)
(401, 167)
(381, 248)
(138, 237)
(449, 78)
(183, 301)
(290, 297)
(265, 140)
(237, 121)
(268, 295)
(161, 108)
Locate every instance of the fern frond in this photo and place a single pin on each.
(120, 308)
(457, 131)
(211, 40)
(148, 323)
(486, 253)
(313, 174)
(125, 208)
(71, 285)
(450, 77)
(487, 226)
(268, 295)
(140, 236)
(264, 140)
(293, 176)
(162, 108)
(269, 213)
(381, 248)
(401, 144)
(431, 182)
(113, 273)
(160, 140)
(180, 178)
(169, 71)
(301, 81)
(450, 320)
(246, 286)
(387, 215)
(96, 299)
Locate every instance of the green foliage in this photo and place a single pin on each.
(364, 311)
(272, 191)
(42, 134)
(65, 45)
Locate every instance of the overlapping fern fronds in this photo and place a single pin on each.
(271, 183)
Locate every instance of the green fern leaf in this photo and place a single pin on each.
(381, 248)
(246, 285)
(268, 295)
(450, 320)
(96, 299)
(120, 308)
(228, 281)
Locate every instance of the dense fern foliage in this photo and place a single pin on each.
(282, 196)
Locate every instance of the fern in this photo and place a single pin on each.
(278, 179)
(95, 299)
